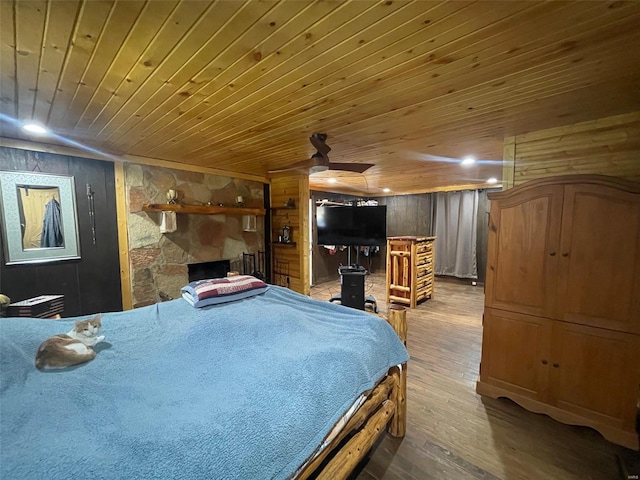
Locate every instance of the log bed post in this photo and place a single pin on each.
(398, 425)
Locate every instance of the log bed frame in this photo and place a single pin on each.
(385, 405)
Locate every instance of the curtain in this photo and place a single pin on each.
(455, 220)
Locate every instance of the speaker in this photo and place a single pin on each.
(352, 289)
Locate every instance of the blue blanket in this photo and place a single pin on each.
(242, 390)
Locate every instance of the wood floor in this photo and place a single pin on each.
(453, 433)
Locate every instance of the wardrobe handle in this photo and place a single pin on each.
(555, 365)
(566, 254)
(552, 254)
(544, 362)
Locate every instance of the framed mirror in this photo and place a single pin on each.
(39, 218)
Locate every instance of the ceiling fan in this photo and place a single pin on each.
(319, 161)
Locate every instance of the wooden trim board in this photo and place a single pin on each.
(123, 236)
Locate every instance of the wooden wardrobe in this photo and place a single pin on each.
(562, 302)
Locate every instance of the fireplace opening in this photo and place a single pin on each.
(204, 270)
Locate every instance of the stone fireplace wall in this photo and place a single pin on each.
(159, 261)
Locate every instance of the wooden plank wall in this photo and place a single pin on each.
(607, 146)
(290, 264)
(408, 214)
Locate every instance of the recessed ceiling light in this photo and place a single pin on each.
(468, 160)
(492, 180)
(332, 180)
(35, 128)
(386, 190)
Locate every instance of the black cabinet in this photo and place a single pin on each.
(352, 287)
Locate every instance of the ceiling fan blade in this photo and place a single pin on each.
(304, 165)
(351, 167)
(319, 161)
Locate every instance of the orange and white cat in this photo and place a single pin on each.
(69, 349)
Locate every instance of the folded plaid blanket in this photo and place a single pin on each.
(221, 290)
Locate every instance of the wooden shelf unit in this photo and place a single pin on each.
(290, 260)
(410, 269)
(201, 209)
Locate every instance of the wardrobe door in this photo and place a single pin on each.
(594, 374)
(599, 274)
(524, 234)
(515, 353)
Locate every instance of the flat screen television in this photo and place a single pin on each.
(346, 225)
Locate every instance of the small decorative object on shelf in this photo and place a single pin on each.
(172, 196)
(286, 234)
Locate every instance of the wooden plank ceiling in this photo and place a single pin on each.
(410, 86)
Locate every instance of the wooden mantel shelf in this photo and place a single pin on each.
(201, 209)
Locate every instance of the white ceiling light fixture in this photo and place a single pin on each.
(35, 128)
(332, 180)
(468, 161)
(492, 180)
(386, 190)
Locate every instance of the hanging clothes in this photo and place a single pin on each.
(32, 203)
(52, 226)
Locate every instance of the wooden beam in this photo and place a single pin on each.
(96, 155)
(122, 215)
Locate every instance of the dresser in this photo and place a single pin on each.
(410, 269)
(561, 326)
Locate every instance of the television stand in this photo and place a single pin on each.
(352, 288)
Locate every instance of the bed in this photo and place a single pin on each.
(277, 385)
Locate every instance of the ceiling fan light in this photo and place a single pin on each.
(468, 161)
(318, 168)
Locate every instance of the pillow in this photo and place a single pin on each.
(221, 290)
